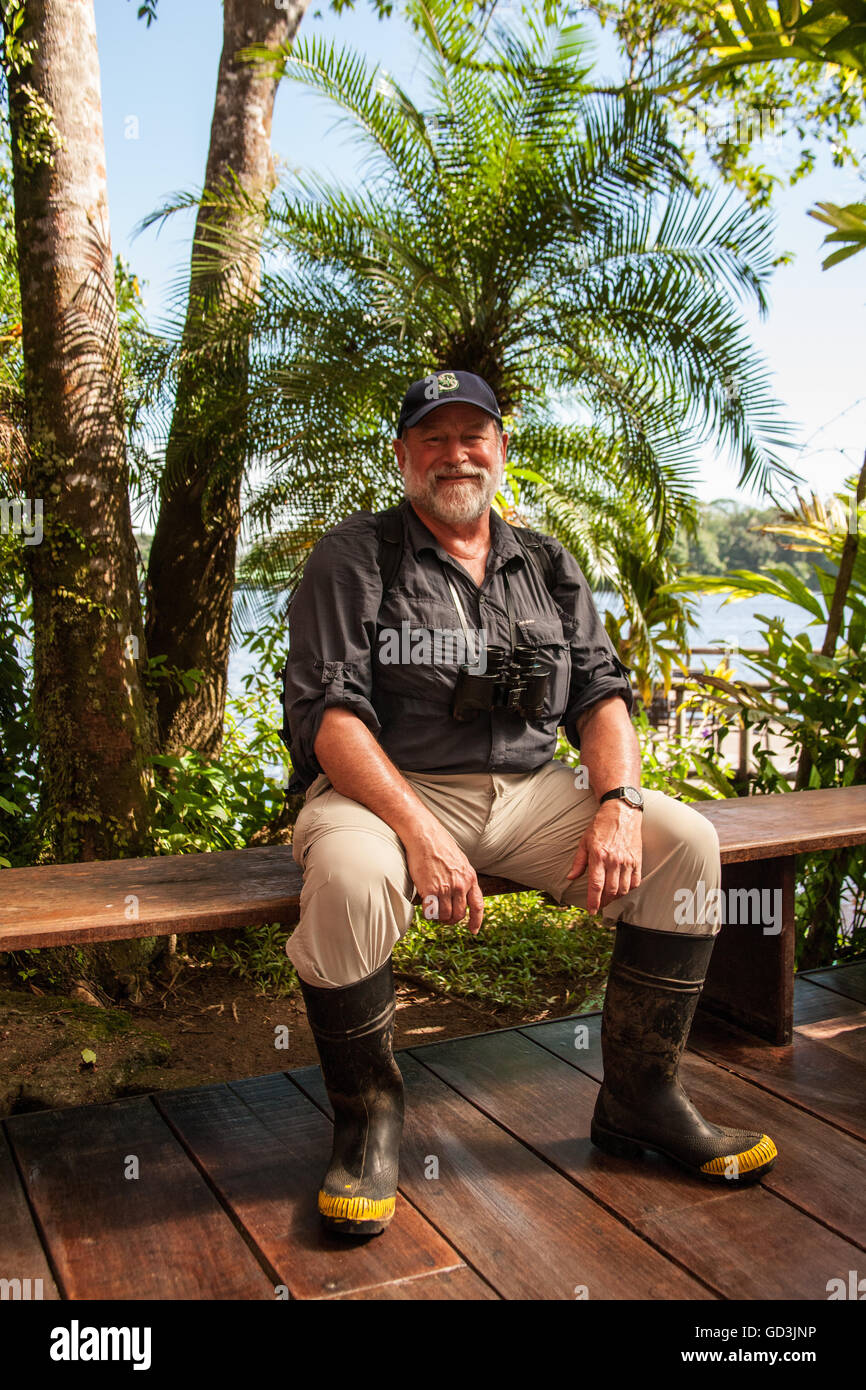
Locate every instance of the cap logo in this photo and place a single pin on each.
(448, 381)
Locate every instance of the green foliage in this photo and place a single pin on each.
(733, 535)
(824, 44)
(686, 766)
(257, 954)
(517, 225)
(514, 961)
(220, 803)
(850, 225)
(697, 57)
(817, 700)
(37, 139)
(18, 751)
(820, 33)
(147, 11)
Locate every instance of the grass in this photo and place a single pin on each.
(517, 960)
(528, 956)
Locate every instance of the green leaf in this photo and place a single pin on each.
(88, 1055)
(746, 22)
(841, 255)
(713, 775)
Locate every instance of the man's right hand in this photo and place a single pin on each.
(445, 880)
(359, 768)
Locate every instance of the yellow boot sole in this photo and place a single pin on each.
(356, 1216)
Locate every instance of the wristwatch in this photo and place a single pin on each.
(629, 794)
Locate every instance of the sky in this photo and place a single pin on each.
(158, 86)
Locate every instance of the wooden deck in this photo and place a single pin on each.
(502, 1194)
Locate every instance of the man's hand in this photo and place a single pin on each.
(442, 873)
(612, 850)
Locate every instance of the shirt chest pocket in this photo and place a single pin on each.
(420, 646)
(547, 640)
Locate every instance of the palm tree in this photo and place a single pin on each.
(192, 557)
(523, 228)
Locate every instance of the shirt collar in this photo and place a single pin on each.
(502, 539)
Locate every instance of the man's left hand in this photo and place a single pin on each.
(612, 849)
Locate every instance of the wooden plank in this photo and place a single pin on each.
(765, 827)
(460, 1285)
(849, 980)
(524, 1228)
(810, 1075)
(826, 1080)
(813, 1003)
(528, 1090)
(161, 1235)
(821, 1170)
(758, 998)
(831, 1019)
(105, 900)
(773, 1251)
(22, 1257)
(264, 1146)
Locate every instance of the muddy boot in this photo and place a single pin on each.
(655, 981)
(353, 1028)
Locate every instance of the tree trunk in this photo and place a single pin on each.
(191, 568)
(93, 718)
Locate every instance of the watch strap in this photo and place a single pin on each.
(619, 793)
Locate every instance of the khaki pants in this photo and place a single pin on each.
(357, 898)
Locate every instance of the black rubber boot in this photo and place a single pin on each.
(655, 982)
(353, 1028)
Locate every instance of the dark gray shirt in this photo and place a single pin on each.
(382, 659)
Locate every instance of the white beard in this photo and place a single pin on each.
(449, 504)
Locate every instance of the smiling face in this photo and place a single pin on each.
(452, 462)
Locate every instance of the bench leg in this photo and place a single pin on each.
(750, 981)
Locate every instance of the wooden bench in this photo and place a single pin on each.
(751, 974)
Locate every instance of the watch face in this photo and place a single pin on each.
(633, 796)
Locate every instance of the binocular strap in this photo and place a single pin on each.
(462, 616)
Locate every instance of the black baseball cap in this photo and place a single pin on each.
(441, 388)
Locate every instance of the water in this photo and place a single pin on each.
(720, 625)
(734, 625)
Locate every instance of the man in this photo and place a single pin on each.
(407, 797)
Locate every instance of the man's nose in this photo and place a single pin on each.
(453, 449)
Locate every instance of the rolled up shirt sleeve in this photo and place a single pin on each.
(596, 670)
(332, 629)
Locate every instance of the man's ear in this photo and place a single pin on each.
(400, 451)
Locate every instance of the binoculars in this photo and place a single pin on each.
(514, 680)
